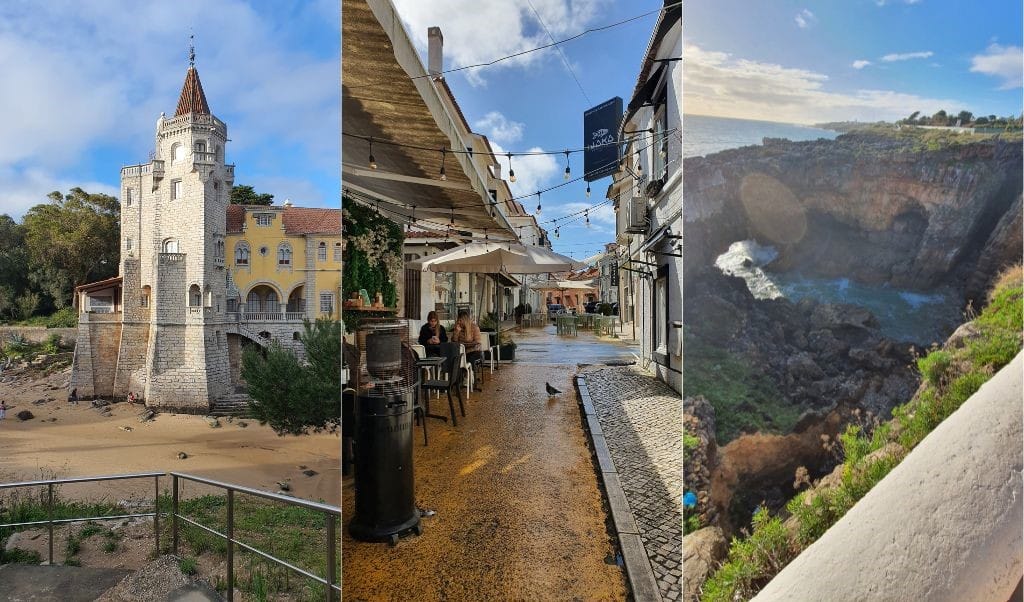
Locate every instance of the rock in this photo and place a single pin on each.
(99, 403)
(838, 315)
(284, 486)
(242, 424)
(309, 472)
(868, 358)
(146, 416)
(213, 422)
(38, 402)
(182, 455)
(703, 550)
(803, 367)
(231, 419)
(966, 333)
(25, 415)
(125, 428)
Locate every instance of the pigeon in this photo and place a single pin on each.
(551, 390)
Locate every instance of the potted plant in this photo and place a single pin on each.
(506, 347)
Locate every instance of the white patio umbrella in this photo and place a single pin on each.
(495, 257)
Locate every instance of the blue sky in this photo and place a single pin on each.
(812, 61)
(85, 82)
(533, 102)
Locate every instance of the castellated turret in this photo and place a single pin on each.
(173, 258)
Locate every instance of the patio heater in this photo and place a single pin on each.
(385, 504)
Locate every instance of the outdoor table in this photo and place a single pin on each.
(565, 325)
(434, 364)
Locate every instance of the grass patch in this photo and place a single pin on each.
(188, 565)
(17, 556)
(291, 533)
(949, 378)
(744, 399)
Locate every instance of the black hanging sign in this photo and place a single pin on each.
(615, 273)
(600, 132)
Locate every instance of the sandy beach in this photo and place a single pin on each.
(67, 440)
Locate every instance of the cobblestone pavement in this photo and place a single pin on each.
(642, 423)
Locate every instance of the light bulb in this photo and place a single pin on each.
(373, 162)
(443, 177)
(511, 175)
(588, 190)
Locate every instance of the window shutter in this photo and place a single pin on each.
(412, 294)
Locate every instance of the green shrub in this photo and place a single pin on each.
(751, 562)
(187, 565)
(934, 366)
(66, 317)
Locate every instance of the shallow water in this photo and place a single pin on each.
(903, 315)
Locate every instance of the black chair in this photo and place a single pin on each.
(450, 351)
(409, 368)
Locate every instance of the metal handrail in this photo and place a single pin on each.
(50, 522)
(332, 514)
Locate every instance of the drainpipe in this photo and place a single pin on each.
(945, 525)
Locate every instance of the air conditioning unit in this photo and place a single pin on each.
(636, 218)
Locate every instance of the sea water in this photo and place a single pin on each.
(704, 135)
(903, 315)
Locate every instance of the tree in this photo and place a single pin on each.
(291, 397)
(245, 195)
(981, 120)
(912, 117)
(965, 117)
(940, 118)
(72, 240)
(13, 265)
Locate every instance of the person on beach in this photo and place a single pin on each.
(131, 398)
(433, 334)
(73, 398)
(3, 410)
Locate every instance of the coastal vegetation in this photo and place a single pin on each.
(292, 396)
(745, 400)
(69, 240)
(869, 451)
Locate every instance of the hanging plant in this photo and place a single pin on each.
(372, 258)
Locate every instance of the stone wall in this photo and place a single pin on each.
(39, 334)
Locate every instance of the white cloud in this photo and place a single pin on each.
(480, 32)
(805, 19)
(22, 189)
(533, 173)
(1004, 62)
(860, 64)
(884, 2)
(906, 56)
(715, 83)
(498, 128)
(98, 76)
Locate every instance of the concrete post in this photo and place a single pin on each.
(435, 55)
(944, 525)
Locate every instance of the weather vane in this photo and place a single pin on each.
(191, 50)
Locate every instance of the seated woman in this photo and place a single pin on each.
(468, 333)
(433, 334)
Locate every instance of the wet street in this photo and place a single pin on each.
(519, 514)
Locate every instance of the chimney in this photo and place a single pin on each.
(435, 54)
(496, 169)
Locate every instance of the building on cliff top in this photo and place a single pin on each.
(199, 279)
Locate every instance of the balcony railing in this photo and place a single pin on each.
(273, 316)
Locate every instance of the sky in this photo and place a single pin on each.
(866, 60)
(84, 83)
(533, 102)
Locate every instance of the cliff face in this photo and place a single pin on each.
(865, 206)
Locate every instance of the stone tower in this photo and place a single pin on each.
(173, 259)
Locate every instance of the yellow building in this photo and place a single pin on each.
(284, 262)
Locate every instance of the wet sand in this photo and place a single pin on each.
(82, 442)
(519, 512)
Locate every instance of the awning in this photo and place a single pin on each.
(100, 285)
(655, 239)
(380, 100)
(645, 95)
(506, 280)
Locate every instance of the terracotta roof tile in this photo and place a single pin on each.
(192, 99)
(235, 219)
(309, 220)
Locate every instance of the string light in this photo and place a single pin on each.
(373, 162)
(452, 223)
(511, 172)
(587, 214)
(443, 177)
(588, 190)
(639, 165)
(538, 202)
(567, 164)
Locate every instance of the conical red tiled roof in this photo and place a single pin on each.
(192, 99)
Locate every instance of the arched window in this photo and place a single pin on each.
(284, 254)
(218, 249)
(252, 302)
(337, 251)
(242, 253)
(207, 296)
(216, 151)
(170, 245)
(272, 304)
(200, 146)
(321, 252)
(177, 153)
(195, 296)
